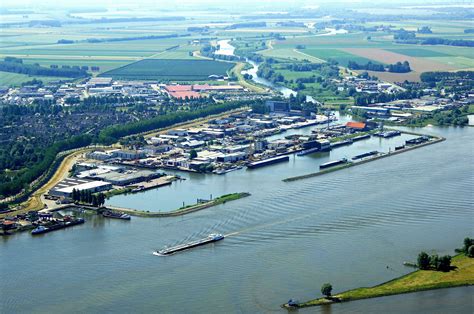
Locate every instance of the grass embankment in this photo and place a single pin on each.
(186, 209)
(420, 280)
(242, 81)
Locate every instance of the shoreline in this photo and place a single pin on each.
(436, 139)
(430, 280)
(183, 210)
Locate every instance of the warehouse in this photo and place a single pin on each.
(66, 186)
(128, 177)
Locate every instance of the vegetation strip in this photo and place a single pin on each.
(420, 280)
(315, 174)
(184, 210)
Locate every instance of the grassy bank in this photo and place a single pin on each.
(420, 280)
(186, 209)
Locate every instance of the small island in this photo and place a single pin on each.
(435, 272)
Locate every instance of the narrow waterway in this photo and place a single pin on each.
(287, 239)
(225, 48)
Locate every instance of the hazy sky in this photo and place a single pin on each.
(174, 3)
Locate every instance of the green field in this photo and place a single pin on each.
(15, 79)
(419, 52)
(170, 70)
(340, 56)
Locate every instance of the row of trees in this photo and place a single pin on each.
(303, 67)
(398, 67)
(247, 25)
(434, 262)
(17, 66)
(87, 197)
(443, 263)
(364, 99)
(435, 77)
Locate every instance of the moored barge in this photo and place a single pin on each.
(269, 161)
(115, 215)
(333, 163)
(365, 155)
(57, 226)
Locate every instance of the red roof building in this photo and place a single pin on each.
(178, 88)
(356, 125)
(184, 94)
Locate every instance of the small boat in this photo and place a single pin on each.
(213, 237)
(115, 215)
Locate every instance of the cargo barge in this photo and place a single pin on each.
(333, 163)
(388, 134)
(57, 226)
(115, 215)
(213, 237)
(365, 155)
(342, 143)
(360, 137)
(418, 140)
(269, 161)
(308, 151)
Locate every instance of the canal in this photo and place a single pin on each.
(287, 239)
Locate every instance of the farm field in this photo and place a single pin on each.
(288, 53)
(342, 57)
(170, 70)
(388, 57)
(418, 65)
(15, 79)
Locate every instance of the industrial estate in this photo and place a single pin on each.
(164, 120)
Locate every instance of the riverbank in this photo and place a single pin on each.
(183, 210)
(420, 280)
(434, 140)
(237, 70)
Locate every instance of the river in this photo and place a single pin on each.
(288, 238)
(225, 48)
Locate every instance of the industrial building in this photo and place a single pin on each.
(128, 177)
(66, 186)
(277, 106)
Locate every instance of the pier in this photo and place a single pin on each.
(432, 140)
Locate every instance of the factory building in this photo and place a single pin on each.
(65, 187)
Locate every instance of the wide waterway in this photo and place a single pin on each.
(345, 227)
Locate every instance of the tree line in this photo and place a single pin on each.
(87, 197)
(16, 65)
(398, 67)
(435, 77)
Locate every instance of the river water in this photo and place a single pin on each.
(287, 239)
